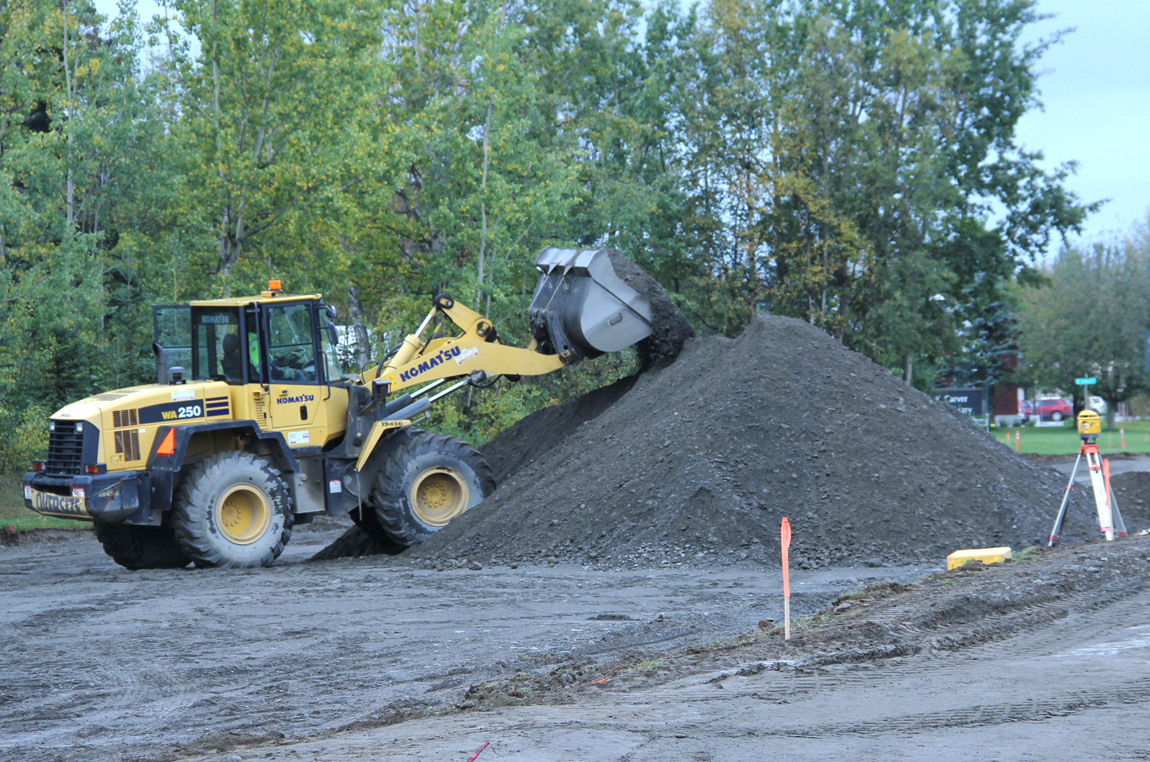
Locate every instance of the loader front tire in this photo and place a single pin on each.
(426, 482)
(233, 511)
(141, 547)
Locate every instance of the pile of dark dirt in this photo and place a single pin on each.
(696, 464)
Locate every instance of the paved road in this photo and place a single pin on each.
(1118, 465)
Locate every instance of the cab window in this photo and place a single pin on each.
(252, 344)
(331, 359)
(216, 345)
(172, 326)
(291, 345)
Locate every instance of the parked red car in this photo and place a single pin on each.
(1054, 408)
(1025, 410)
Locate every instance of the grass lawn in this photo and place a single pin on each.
(1064, 440)
(12, 511)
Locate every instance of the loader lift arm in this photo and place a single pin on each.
(581, 308)
(476, 348)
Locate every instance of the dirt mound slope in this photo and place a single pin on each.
(698, 462)
(531, 437)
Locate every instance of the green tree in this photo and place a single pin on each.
(270, 104)
(859, 168)
(75, 144)
(1089, 320)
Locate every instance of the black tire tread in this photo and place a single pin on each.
(141, 547)
(194, 491)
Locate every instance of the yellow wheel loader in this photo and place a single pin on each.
(251, 427)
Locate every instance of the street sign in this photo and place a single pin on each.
(1085, 381)
(969, 401)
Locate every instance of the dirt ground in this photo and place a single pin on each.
(374, 658)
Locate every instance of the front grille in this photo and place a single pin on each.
(65, 448)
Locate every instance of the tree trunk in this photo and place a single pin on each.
(70, 189)
(483, 214)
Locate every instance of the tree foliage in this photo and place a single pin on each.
(1088, 320)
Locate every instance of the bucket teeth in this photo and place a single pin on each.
(581, 308)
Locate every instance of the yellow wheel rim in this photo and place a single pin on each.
(243, 514)
(438, 495)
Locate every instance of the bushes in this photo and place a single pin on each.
(25, 438)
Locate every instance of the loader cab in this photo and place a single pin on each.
(262, 340)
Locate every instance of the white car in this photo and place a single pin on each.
(1098, 405)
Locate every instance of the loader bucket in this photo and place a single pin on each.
(582, 308)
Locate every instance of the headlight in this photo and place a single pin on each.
(51, 425)
(79, 426)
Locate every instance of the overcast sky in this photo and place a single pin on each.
(1096, 91)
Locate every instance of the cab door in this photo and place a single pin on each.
(172, 339)
(297, 397)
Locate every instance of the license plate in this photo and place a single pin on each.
(58, 505)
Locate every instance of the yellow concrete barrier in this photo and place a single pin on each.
(985, 555)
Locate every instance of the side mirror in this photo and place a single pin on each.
(332, 333)
(330, 311)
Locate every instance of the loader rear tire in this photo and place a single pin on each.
(233, 511)
(426, 482)
(141, 547)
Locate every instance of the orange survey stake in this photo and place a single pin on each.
(785, 537)
(785, 542)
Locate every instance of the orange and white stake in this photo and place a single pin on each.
(1018, 441)
(785, 541)
(1122, 431)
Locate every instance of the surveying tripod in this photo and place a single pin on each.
(1109, 517)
